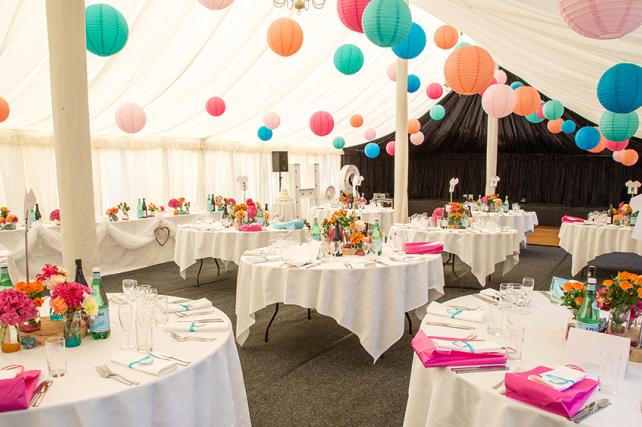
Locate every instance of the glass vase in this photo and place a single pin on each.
(619, 321)
(571, 322)
(53, 315)
(30, 325)
(9, 338)
(71, 328)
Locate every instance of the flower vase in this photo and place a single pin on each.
(71, 328)
(53, 315)
(125, 216)
(571, 323)
(9, 338)
(58, 223)
(30, 325)
(619, 321)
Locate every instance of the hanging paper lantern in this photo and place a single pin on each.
(527, 100)
(553, 110)
(629, 157)
(285, 37)
(620, 88)
(568, 126)
(369, 134)
(390, 148)
(372, 150)
(338, 142)
(271, 120)
(469, 70)
(417, 138)
(616, 145)
(434, 90)
(413, 83)
(356, 120)
(392, 71)
(215, 106)
(516, 85)
(348, 59)
(437, 112)
(555, 126)
(413, 126)
(619, 127)
(386, 22)
(350, 13)
(499, 101)
(413, 44)
(265, 134)
(216, 4)
(601, 146)
(540, 110)
(4, 110)
(616, 155)
(321, 123)
(492, 82)
(587, 138)
(106, 29)
(534, 118)
(500, 76)
(446, 37)
(461, 44)
(601, 19)
(131, 118)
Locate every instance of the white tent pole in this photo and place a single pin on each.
(491, 149)
(72, 141)
(401, 143)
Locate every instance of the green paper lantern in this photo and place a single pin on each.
(105, 29)
(553, 110)
(619, 127)
(461, 44)
(386, 23)
(339, 143)
(534, 118)
(437, 112)
(348, 59)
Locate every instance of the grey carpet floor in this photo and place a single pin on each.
(315, 372)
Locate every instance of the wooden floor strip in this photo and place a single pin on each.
(544, 236)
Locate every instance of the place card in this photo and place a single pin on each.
(583, 349)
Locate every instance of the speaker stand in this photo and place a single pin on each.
(280, 181)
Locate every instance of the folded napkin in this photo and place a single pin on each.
(196, 327)
(257, 252)
(445, 311)
(250, 227)
(424, 248)
(189, 305)
(292, 225)
(263, 259)
(559, 378)
(307, 253)
(489, 292)
(147, 364)
(433, 356)
(567, 218)
(467, 346)
(116, 298)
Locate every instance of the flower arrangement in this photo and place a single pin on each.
(54, 216)
(173, 203)
(358, 226)
(231, 202)
(252, 210)
(4, 213)
(71, 299)
(622, 296)
(341, 218)
(187, 205)
(124, 208)
(437, 214)
(573, 295)
(34, 291)
(346, 199)
(239, 212)
(455, 213)
(625, 209)
(356, 239)
(152, 208)
(112, 213)
(219, 202)
(361, 201)
(16, 307)
(52, 275)
(9, 221)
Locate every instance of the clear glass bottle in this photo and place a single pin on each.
(259, 215)
(139, 209)
(209, 203)
(377, 238)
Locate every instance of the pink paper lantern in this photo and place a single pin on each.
(392, 71)
(215, 106)
(616, 145)
(500, 77)
(434, 90)
(417, 138)
(321, 123)
(216, 4)
(601, 19)
(271, 120)
(499, 100)
(370, 134)
(540, 111)
(350, 13)
(390, 148)
(492, 82)
(616, 155)
(131, 118)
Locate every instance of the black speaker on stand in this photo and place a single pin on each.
(279, 163)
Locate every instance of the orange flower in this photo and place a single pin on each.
(626, 285)
(579, 300)
(640, 292)
(578, 286)
(568, 287)
(623, 275)
(59, 305)
(607, 283)
(38, 302)
(634, 277)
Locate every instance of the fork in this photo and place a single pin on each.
(110, 373)
(193, 313)
(183, 339)
(515, 371)
(471, 337)
(101, 371)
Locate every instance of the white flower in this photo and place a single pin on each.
(49, 284)
(90, 306)
(359, 225)
(58, 279)
(63, 272)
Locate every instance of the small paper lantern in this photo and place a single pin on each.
(446, 37)
(356, 120)
(434, 90)
(527, 100)
(348, 59)
(130, 118)
(285, 37)
(392, 71)
(390, 148)
(216, 4)
(437, 112)
(620, 88)
(350, 13)
(619, 127)
(265, 134)
(4, 110)
(215, 106)
(555, 126)
(534, 118)
(461, 44)
(386, 22)
(321, 123)
(413, 44)
(540, 110)
(106, 29)
(501, 77)
(553, 110)
(601, 19)
(616, 145)
(492, 82)
(417, 138)
(271, 120)
(338, 142)
(516, 85)
(587, 138)
(601, 146)
(413, 83)
(499, 101)
(413, 126)
(469, 70)
(616, 155)
(372, 150)
(629, 157)
(568, 126)
(369, 134)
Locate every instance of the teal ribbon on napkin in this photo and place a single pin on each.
(464, 344)
(195, 325)
(558, 380)
(454, 312)
(141, 361)
(185, 307)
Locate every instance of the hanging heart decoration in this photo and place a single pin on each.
(161, 234)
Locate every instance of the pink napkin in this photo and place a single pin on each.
(572, 219)
(429, 355)
(424, 248)
(251, 227)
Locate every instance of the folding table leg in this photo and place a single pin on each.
(198, 275)
(409, 324)
(271, 320)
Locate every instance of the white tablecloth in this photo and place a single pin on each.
(210, 391)
(480, 250)
(438, 397)
(524, 222)
(286, 210)
(587, 242)
(369, 301)
(368, 215)
(227, 245)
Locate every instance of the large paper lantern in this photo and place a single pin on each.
(414, 83)
(321, 123)
(629, 157)
(553, 110)
(413, 126)
(555, 126)
(4, 110)
(369, 134)
(265, 134)
(469, 70)
(540, 110)
(348, 59)
(356, 120)
(527, 100)
(492, 82)
(390, 148)
(417, 138)
(620, 88)
(616, 145)
(106, 29)
(386, 22)
(601, 146)
(130, 118)
(619, 127)
(434, 90)
(437, 112)
(616, 155)
(413, 44)
(216, 4)
(392, 71)
(534, 118)
(516, 85)
(601, 19)
(499, 101)
(285, 37)
(500, 76)
(568, 126)
(446, 37)
(338, 142)
(350, 13)
(215, 106)
(372, 150)
(271, 120)
(587, 138)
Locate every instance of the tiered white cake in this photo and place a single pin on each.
(283, 195)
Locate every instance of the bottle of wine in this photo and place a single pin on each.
(209, 203)
(139, 209)
(506, 205)
(609, 219)
(588, 316)
(5, 280)
(336, 237)
(315, 234)
(80, 276)
(99, 325)
(377, 239)
(259, 215)
(37, 213)
(144, 208)
(444, 215)
(225, 214)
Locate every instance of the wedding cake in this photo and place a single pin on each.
(283, 195)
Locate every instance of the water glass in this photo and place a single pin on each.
(325, 252)
(161, 316)
(335, 247)
(126, 318)
(56, 360)
(609, 372)
(129, 289)
(528, 284)
(144, 329)
(495, 320)
(402, 241)
(514, 342)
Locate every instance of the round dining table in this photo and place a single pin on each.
(522, 221)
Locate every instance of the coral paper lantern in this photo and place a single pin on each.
(350, 13)
(369, 134)
(215, 106)
(338, 142)
(587, 138)
(555, 126)
(4, 110)
(499, 101)
(414, 83)
(321, 123)
(568, 126)
(414, 43)
(265, 134)
(434, 90)
(106, 29)
(356, 120)
(386, 23)
(619, 127)
(492, 82)
(348, 59)
(446, 37)
(616, 145)
(372, 150)
(417, 138)
(413, 126)
(216, 4)
(553, 110)
(629, 157)
(616, 155)
(437, 112)
(601, 19)
(620, 88)
(130, 118)
(469, 70)
(501, 77)
(392, 71)
(390, 148)
(271, 120)
(285, 37)
(527, 100)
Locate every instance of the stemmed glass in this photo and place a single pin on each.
(308, 235)
(126, 317)
(334, 247)
(528, 284)
(129, 289)
(365, 244)
(512, 308)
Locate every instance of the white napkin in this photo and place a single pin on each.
(560, 378)
(445, 311)
(140, 362)
(6, 374)
(307, 253)
(257, 252)
(472, 346)
(263, 259)
(189, 305)
(490, 293)
(116, 298)
(196, 327)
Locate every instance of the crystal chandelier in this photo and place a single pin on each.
(299, 4)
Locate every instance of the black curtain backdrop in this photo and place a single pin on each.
(532, 163)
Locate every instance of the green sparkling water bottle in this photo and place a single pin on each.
(315, 234)
(588, 316)
(99, 325)
(5, 280)
(377, 239)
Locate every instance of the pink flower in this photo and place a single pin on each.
(437, 213)
(71, 293)
(162, 208)
(484, 199)
(16, 307)
(601, 299)
(249, 202)
(50, 270)
(231, 201)
(252, 211)
(54, 215)
(173, 203)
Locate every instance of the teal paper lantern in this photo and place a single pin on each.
(372, 150)
(587, 138)
(568, 127)
(461, 44)
(553, 110)
(413, 44)
(413, 83)
(265, 134)
(386, 23)
(106, 29)
(437, 112)
(338, 143)
(515, 85)
(620, 88)
(348, 59)
(619, 127)
(534, 118)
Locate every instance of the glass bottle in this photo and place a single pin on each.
(37, 213)
(506, 205)
(144, 209)
(377, 239)
(99, 325)
(259, 216)
(139, 209)
(225, 214)
(209, 203)
(80, 276)
(5, 280)
(609, 219)
(588, 316)
(315, 235)
(336, 237)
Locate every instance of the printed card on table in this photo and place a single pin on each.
(583, 349)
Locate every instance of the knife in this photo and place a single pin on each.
(37, 392)
(175, 358)
(589, 413)
(178, 301)
(201, 320)
(451, 325)
(46, 387)
(487, 368)
(382, 263)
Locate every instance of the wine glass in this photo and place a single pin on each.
(512, 308)
(129, 289)
(334, 247)
(528, 284)
(126, 317)
(308, 235)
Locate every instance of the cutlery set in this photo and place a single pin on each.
(479, 368)
(589, 410)
(105, 372)
(451, 325)
(183, 339)
(39, 393)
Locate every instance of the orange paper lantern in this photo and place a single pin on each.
(413, 126)
(285, 36)
(446, 37)
(629, 157)
(469, 70)
(601, 146)
(555, 126)
(356, 120)
(4, 110)
(528, 100)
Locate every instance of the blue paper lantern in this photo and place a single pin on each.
(265, 134)
(619, 127)
(338, 142)
(515, 85)
(372, 150)
(106, 29)
(413, 83)
(553, 110)
(534, 118)
(461, 44)
(568, 126)
(413, 44)
(348, 59)
(437, 112)
(587, 138)
(386, 23)
(620, 88)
